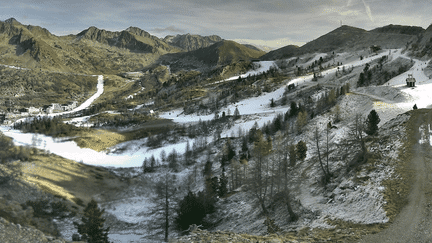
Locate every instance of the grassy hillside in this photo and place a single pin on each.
(219, 54)
(25, 88)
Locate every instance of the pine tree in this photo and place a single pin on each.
(272, 103)
(236, 113)
(415, 107)
(372, 123)
(301, 150)
(189, 212)
(92, 227)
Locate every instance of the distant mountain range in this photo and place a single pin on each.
(347, 38)
(134, 49)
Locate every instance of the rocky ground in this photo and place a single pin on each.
(15, 233)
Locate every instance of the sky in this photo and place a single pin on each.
(273, 23)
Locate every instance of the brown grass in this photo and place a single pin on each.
(69, 179)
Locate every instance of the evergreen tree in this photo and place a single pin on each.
(372, 123)
(301, 150)
(145, 165)
(207, 169)
(236, 113)
(189, 212)
(415, 107)
(361, 80)
(91, 228)
(172, 160)
(293, 109)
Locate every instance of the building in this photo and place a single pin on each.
(410, 81)
(34, 110)
(55, 107)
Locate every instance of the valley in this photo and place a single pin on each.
(215, 110)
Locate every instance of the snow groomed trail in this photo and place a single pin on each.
(87, 103)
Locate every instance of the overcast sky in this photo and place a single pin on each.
(273, 23)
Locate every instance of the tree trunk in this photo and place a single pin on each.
(166, 212)
(261, 201)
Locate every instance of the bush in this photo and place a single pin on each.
(47, 209)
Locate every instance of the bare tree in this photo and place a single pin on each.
(164, 205)
(259, 179)
(281, 173)
(325, 169)
(355, 142)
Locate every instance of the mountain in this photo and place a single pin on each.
(132, 38)
(335, 39)
(283, 52)
(399, 29)
(221, 53)
(347, 38)
(29, 42)
(252, 47)
(190, 42)
(87, 52)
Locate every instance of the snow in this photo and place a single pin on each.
(14, 67)
(88, 102)
(83, 106)
(132, 156)
(264, 67)
(360, 204)
(254, 109)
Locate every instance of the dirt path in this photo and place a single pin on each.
(414, 223)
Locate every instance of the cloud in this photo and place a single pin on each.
(368, 11)
(270, 44)
(170, 29)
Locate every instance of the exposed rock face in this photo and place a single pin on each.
(190, 42)
(426, 40)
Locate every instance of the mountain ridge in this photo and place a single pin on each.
(190, 42)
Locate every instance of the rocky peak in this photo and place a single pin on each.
(138, 31)
(12, 21)
(190, 42)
